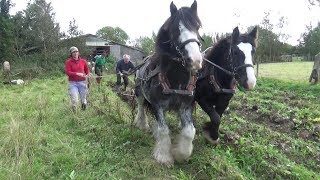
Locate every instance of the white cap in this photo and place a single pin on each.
(73, 49)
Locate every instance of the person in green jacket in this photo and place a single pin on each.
(99, 65)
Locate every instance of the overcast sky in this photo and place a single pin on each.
(142, 17)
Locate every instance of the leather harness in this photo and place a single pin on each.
(164, 82)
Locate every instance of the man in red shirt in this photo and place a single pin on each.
(77, 71)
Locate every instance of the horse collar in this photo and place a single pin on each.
(217, 88)
(167, 90)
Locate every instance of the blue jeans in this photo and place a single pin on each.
(76, 88)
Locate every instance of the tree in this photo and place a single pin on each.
(146, 43)
(6, 36)
(19, 33)
(314, 2)
(270, 48)
(311, 41)
(113, 34)
(74, 29)
(4, 8)
(40, 26)
(207, 41)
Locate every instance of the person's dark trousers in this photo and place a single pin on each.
(125, 81)
(98, 71)
(118, 80)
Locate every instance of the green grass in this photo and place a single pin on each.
(43, 139)
(288, 71)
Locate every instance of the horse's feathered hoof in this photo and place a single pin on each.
(180, 155)
(166, 160)
(144, 128)
(206, 135)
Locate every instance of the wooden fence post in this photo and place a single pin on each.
(258, 60)
(315, 73)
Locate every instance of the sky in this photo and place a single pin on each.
(142, 17)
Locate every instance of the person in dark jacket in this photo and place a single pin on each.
(123, 67)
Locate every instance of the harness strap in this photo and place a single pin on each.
(243, 66)
(217, 88)
(154, 72)
(163, 82)
(212, 81)
(192, 83)
(177, 91)
(186, 42)
(166, 86)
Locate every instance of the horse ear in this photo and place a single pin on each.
(254, 32)
(173, 8)
(235, 34)
(194, 6)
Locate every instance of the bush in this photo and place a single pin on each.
(110, 63)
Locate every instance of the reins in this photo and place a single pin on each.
(219, 67)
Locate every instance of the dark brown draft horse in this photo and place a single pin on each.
(228, 62)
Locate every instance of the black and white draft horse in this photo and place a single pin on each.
(166, 82)
(230, 62)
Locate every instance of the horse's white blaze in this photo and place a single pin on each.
(246, 48)
(192, 48)
(183, 149)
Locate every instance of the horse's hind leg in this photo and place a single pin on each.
(183, 149)
(141, 120)
(163, 141)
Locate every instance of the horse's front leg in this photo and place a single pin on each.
(163, 141)
(141, 120)
(182, 150)
(211, 130)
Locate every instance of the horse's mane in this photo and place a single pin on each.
(223, 45)
(218, 48)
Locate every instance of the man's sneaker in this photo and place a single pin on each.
(83, 106)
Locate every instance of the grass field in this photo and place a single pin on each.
(288, 71)
(272, 132)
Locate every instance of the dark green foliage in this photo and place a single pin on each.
(146, 44)
(114, 34)
(207, 41)
(43, 32)
(110, 63)
(4, 8)
(73, 29)
(269, 47)
(6, 36)
(311, 42)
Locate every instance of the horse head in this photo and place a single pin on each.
(180, 37)
(241, 54)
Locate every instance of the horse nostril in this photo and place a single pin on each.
(199, 64)
(251, 84)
